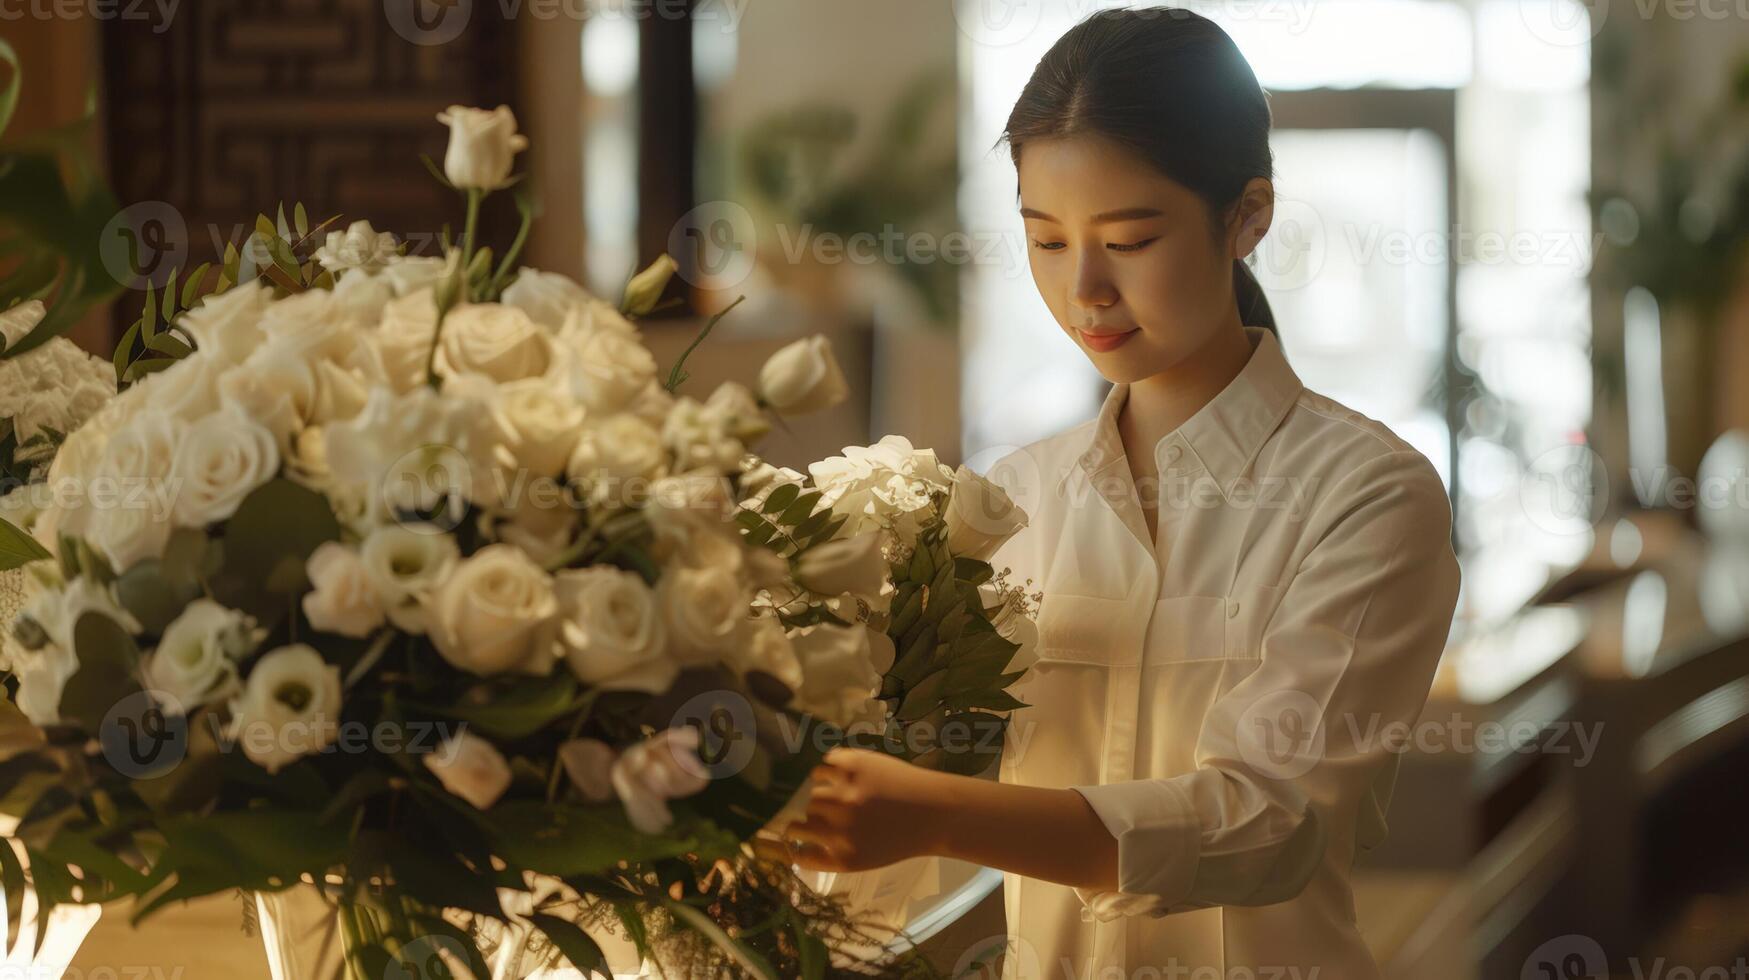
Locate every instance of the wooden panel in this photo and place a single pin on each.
(234, 107)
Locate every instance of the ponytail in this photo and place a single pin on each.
(1254, 308)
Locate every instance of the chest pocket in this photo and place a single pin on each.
(1189, 628)
(1086, 630)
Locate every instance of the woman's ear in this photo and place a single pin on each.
(1254, 211)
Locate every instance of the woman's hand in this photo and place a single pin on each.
(867, 810)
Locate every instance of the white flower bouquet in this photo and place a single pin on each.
(410, 578)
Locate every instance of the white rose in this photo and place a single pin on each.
(406, 450)
(612, 633)
(703, 609)
(803, 377)
(360, 246)
(128, 533)
(360, 297)
(838, 672)
(740, 411)
(471, 768)
(222, 458)
(547, 297)
(663, 767)
(188, 389)
(275, 386)
(537, 424)
(854, 565)
(700, 439)
(409, 274)
(595, 315)
(482, 145)
(314, 323)
(887, 485)
(196, 660)
(290, 707)
(403, 338)
(498, 341)
(612, 452)
(227, 326)
(607, 370)
(980, 516)
(589, 764)
(768, 649)
(406, 564)
(542, 521)
(135, 524)
(496, 613)
(344, 600)
(692, 522)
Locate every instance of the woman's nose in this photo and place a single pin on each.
(1092, 288)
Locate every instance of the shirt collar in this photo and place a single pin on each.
(1225, 434)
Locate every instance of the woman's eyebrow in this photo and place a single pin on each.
(1104, 217)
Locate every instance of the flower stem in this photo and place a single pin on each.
(475, 194)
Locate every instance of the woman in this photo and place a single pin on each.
(1244, 582)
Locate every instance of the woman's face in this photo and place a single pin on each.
(1124, 255)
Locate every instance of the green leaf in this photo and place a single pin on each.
(527, 707)
(300, 220)
(781, 497)
(801, 509)
(18, 549)
(267, 544)
(581, 950)
(810, 950)
(108, 665)
(563, 839)
(8, 105)
(923, 698)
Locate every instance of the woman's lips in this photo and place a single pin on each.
(1108, 341)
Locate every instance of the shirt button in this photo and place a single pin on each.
(1232, 608)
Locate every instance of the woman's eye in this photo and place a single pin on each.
(1047, 246)
(1133, 246)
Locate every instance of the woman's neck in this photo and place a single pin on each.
(1159, 404)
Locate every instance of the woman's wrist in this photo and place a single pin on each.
(939, 803)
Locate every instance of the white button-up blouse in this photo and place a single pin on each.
(1223, 696)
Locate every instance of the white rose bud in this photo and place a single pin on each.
(854, 565)
(663, 767)
(980, 516)
(290, 707)
(646, 287)
(803, 377)
(482, 145)
(344, 600)
(471, 768)
(496, 614)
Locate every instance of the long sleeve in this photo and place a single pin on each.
(1297, 752)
